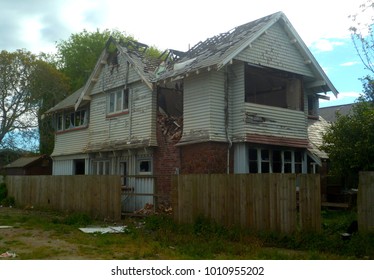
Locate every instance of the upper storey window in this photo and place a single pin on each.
(273, 88)
(118, 101)
(72, 120)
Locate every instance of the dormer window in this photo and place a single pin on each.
(118, 101)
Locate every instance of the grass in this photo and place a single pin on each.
(158, 237)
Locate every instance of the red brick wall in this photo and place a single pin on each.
(205, 158)
(166, 156)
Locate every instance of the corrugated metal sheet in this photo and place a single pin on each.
(275, 49)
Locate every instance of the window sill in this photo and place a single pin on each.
(71, 129)
(113, 115)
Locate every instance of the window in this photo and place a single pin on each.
(69, 120)
(275, 161)
(253, 167)
(79, 166)
(123, 172)
(273, 88)
(100, 167)
(118, 101)
(145, 167)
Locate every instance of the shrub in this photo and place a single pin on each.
(3, 191)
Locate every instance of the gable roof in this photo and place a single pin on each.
(329, 113)
(67, 103)
(213, 53)
(220, 50)
(23, 161)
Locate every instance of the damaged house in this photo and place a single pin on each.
(238, 102)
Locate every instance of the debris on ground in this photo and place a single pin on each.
(5, 227)
(148, 209)
(8, 255)
(115, 229)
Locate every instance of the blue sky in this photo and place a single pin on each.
(322, 24)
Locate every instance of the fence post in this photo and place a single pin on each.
(365, 202)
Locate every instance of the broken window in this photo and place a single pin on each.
(145, 167)
(118, 101)
(273, 88)
(312, 106)
(69, 120)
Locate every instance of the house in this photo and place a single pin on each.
(238, 102)
(29, 165)
(329, 113)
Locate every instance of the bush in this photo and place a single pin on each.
(3, 191)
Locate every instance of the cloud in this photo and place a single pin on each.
(325, 45)
(349, 63)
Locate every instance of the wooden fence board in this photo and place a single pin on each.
(365, 202)
(98, 196)
(259, 201)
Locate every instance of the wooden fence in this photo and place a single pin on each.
(95, 195)
(365, 202)
(259, 201)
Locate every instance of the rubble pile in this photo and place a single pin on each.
(171, 127)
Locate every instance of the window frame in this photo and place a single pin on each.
(66, 121)
(118, 101)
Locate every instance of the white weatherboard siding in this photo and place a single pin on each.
(204, 108)
(275, 49)
(115, 76)
(236, 95)
(70, 142)
(267, 120)
(137, 125)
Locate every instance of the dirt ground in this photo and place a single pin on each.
(29, 242)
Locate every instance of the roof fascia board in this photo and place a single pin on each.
(249, 41)
(310, 56)
(131, 61)
(94, 74)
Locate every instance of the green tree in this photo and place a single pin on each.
(49, 86)
(77, 56)
(349, 141)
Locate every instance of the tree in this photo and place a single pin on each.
(78, 55)
(349, 141)
(362, 34)
(49, 86)
(17, 104)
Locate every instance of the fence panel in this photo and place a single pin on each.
(259, 201)
(365, 202)
(98, 196)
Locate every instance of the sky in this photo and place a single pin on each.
(37, 25)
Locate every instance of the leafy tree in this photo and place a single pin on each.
(49, 86)
(18, 105)
(349, 141)
(77, 56)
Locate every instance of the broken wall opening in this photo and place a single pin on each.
(273, 88)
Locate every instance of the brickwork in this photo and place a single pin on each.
(204, 158)
(167, 155)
